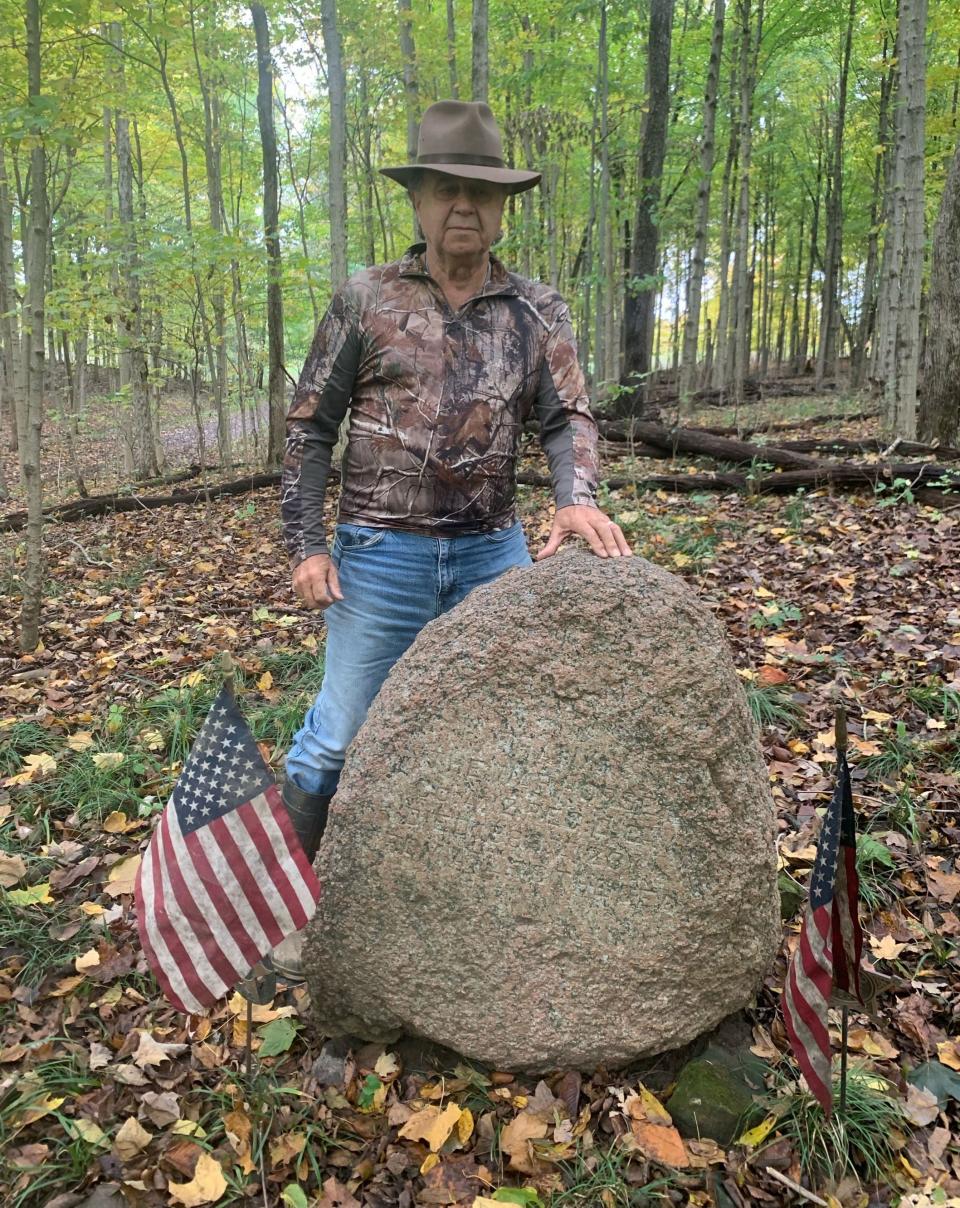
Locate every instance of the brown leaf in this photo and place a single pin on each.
(335, 1195)
(943, 885)
(516, 1137)
(206, 1186)
(131, 1139)
(660, 1142)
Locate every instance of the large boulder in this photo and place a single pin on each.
(552, 845)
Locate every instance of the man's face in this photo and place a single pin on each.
(459, 217)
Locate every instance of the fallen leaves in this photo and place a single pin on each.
(122, 876)
(151, 1052)
(207, 1185)
(433, 1125)
(131, 1138)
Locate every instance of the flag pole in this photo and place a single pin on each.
(228, 668)
(840, 741)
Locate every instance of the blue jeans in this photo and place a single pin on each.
(393, 583)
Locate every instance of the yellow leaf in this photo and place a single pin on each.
(35, 767)
(67, 986)
(484, 1201)
(188, 1128)
(39, 893)
(387, 1066)
(81, 741)
(753, 1136)
(117, 823)
(261, 1012)
(934, 723)
(122, 876)
(886, 949)
(265, 682)
(83, 1129)
(93, 909)
(465, 1126)
(107, 760)
(38, 1109)
(911, 1170)
(876, 715)
(949, 1053)
(131, 1139)
(286, 1148)
(88, 960)
(432, 1125)
(429, 1162)
(206, 1186)
(191, 680)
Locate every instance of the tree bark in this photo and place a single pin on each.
(32, 410)
(133, 362)
(940, 405)
(691, 330)
(337, 92)
(641, 295)
(452, 52)
(10, 369)
(830, 303)
(480, 56)
(271, 190)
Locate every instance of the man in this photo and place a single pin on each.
(439, 358)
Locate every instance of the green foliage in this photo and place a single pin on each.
(772, 705)
(775, 616)
(861, 1140)
(600, 1178)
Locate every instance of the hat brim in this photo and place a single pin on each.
(512, 179)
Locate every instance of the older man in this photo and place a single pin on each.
(438, 358)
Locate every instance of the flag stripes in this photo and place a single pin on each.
(224, 878)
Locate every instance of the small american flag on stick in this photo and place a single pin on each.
(831, 940)
(224, 878)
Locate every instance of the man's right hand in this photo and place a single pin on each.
(316, 582)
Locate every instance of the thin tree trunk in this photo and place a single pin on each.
(868, 304)
(452, 51)
(411, 88)
(271, 193)
(718, 377)
(10, 371)
(32, 417)
(742, 293)
(480, 57)
(691, 331)
(212, 159)
(640, 300)
(800, 366)
(133, 363)
(830, 304)
(337, 91)
(940, 405)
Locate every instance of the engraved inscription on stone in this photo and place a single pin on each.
(553, 843)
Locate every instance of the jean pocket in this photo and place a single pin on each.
(358, 536)
(500, 536)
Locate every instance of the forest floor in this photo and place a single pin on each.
(109, 1096)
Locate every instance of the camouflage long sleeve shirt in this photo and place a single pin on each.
(437, 401)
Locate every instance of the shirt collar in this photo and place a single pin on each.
(413, 263)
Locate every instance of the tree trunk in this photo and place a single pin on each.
(742, 291)
(830, 304)
(411, 89)
(718, 377)
(641, 295)
(337, 90)
(452, 51)
(271, 191)
(940, 405)
(10, 369)
(32, 410)
(868, 300)
(800, 365)
(480, 57)
(133, 362)
(901, 392)
(691, 331)
(212, 159)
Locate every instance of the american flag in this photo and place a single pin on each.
(224, 878)
(831, 941)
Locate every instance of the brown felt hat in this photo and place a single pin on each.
(461, 138)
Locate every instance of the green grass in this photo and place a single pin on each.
(936, 699)
(859, 1141)
(28, 935)
(24, 738)
(68, 1164)
(876, 872)
(771, 705)
(600, 1178)
(900, 753)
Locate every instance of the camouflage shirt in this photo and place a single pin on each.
(437, 400)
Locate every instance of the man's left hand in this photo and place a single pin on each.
(599, 531)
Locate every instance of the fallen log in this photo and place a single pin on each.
(908, 448)
(928, 482)
(791, 425)
(100, 505)
(697, 442)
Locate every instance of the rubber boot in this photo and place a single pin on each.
(308, 812)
